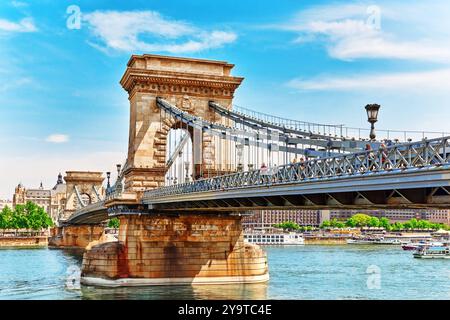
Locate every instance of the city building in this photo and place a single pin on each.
(5, 203)
(79, 188)
(51, 200)
(263, 219)
(398, 215)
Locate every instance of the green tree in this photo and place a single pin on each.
(325, 224)
(289, 225)
(350, 223)
(339, 224)
(413, 223)
(373, 222)
(384, 223)
(19, 219)
(397, 226)
(333, 222)
(359, 220)
(5, 218)
(37, 217)
(26, 216)
(407, 225)
(114, 223)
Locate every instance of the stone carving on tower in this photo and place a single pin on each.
(186, 104)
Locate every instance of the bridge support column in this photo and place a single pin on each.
(77, 236)
(169, 250)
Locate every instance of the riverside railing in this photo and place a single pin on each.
(22, 233)
(395, 158)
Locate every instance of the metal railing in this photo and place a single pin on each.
(318, 128)
(392, 135)
(392, 159)
(89, 208)
(341, 130)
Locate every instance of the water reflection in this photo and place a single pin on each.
(308, 272)
(256, 291)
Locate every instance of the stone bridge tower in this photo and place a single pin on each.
(157, 248)
(187, 83)
(82, 188)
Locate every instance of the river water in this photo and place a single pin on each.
(296, 272)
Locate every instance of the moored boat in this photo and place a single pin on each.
(411, 246)
(432, 252)
(274, 238)
(379, 240)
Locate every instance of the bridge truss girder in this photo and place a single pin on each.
(419, 189)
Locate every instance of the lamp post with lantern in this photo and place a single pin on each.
(372, 117)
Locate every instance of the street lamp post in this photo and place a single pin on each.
(239, 148)
(118, 182)
(372, 117)
(108, 176)
(186, 169)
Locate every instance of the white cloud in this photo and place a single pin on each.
(24, 25)
(57, 138)
(12, 84)
(19, 4)
(349, 32)
(436, 80)
(148, 31)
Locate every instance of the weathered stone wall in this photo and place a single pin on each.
(185, 246)
(23, 241)
(74, 236)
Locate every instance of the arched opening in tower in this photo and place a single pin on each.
(179, 156)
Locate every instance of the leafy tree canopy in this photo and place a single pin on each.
(289, 225)
(114, 223)
(26, 216)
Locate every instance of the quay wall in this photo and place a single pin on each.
(325, 240)
(78, 236)
(37, 241)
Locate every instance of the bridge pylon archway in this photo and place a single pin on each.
(187, 83)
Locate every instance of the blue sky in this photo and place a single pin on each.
(62, 107)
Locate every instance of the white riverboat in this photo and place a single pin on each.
(274, 238)
(379, 240)
(432, 252)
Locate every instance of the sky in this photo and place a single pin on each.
(62, 107)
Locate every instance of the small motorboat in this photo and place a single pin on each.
(410, 247)
(416, 245)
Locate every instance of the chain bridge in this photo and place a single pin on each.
(196, 163)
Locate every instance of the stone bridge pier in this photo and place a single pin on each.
(173, 250)
(157, 248)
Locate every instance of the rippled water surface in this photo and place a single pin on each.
(297, 272)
